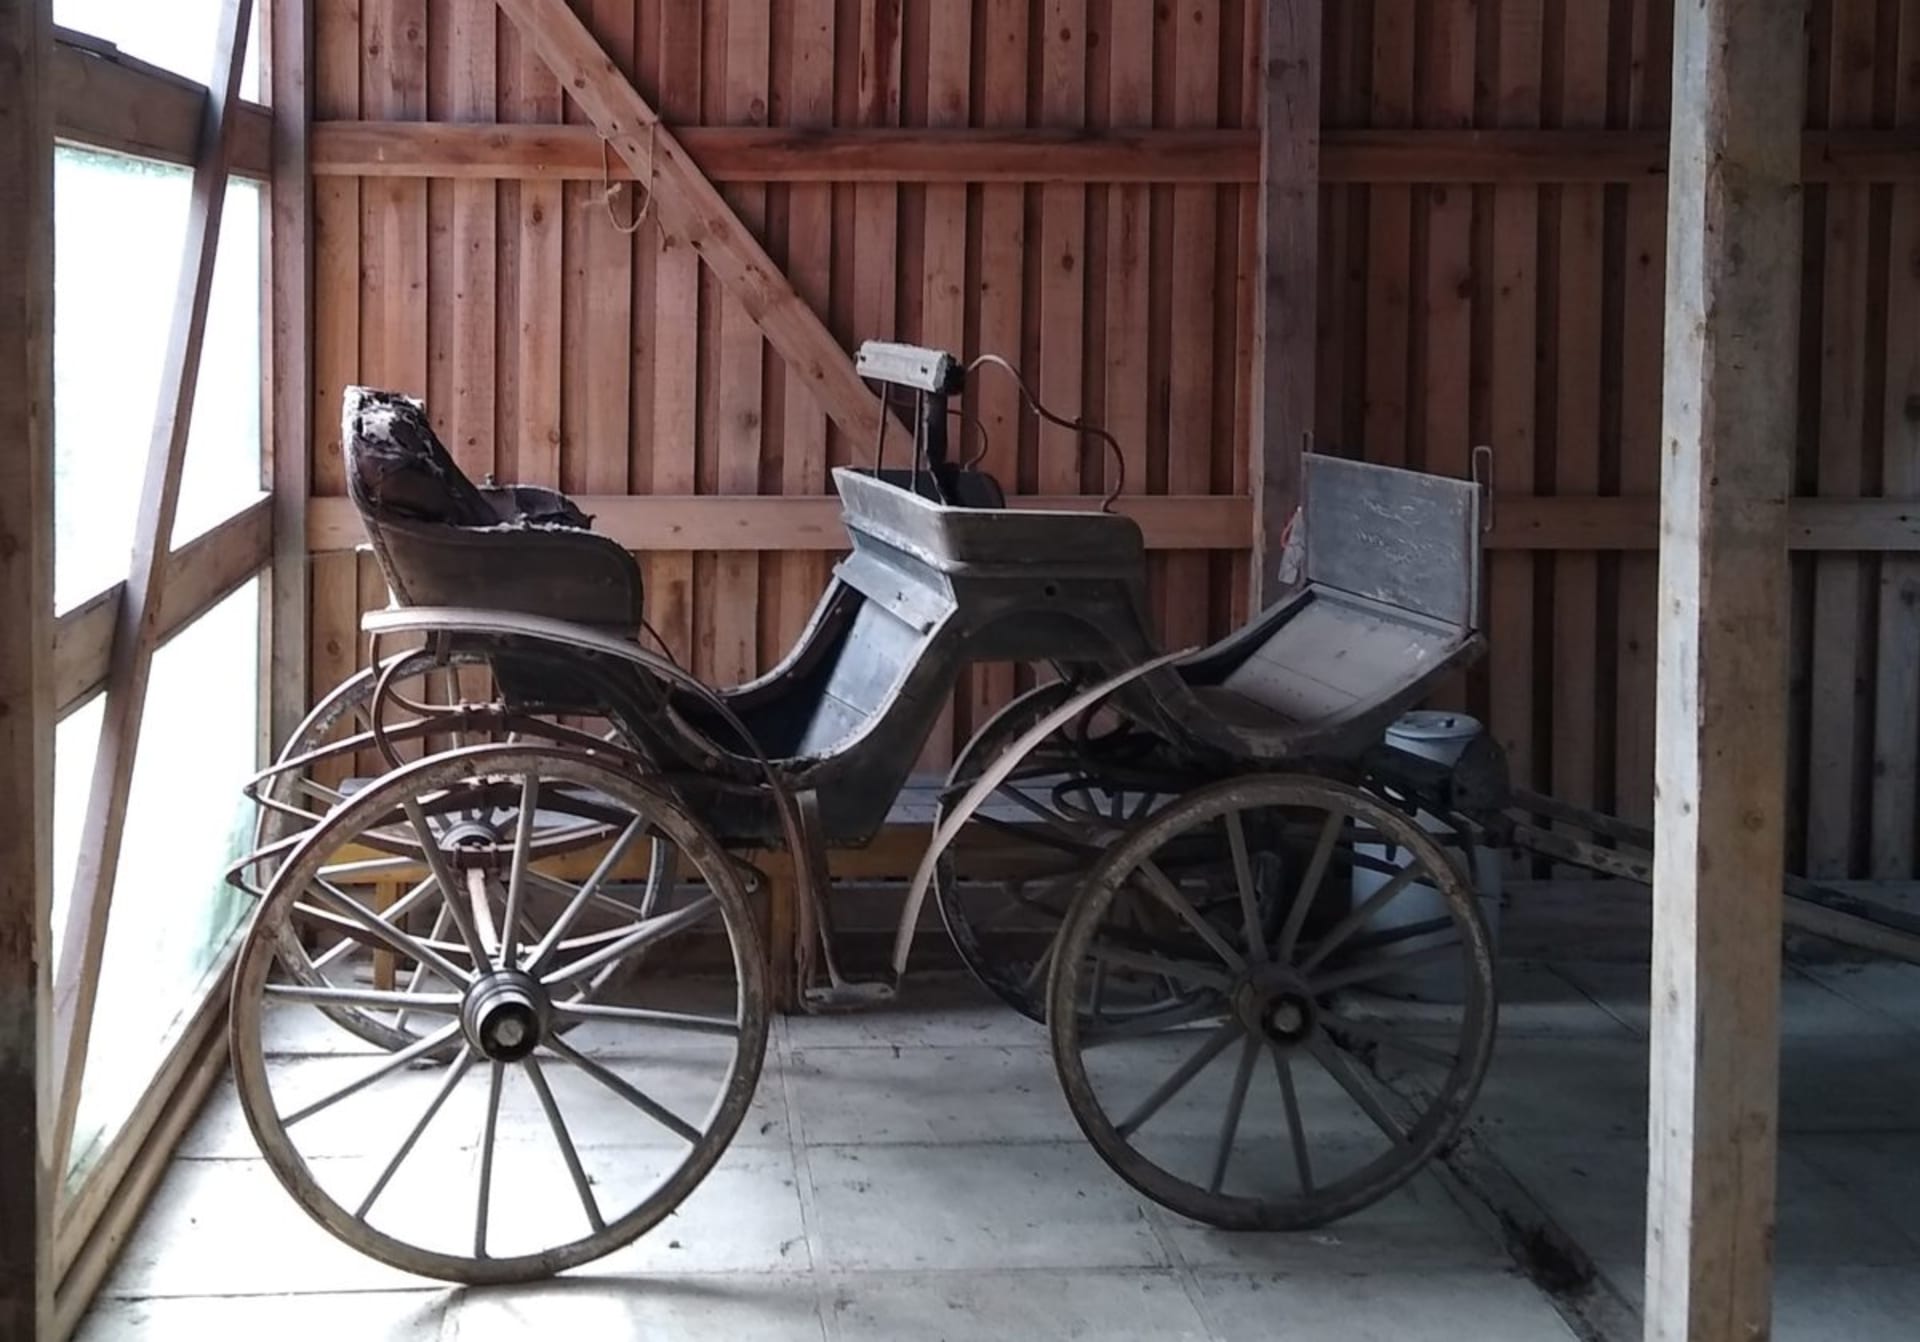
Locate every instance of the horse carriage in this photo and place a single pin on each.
(510, 869)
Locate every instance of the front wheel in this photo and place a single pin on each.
(618, 1034)
(1260, 1105)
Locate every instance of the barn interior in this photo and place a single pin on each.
(1212, 668)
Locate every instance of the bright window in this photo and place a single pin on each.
(172, 912)
(176, 35)
(113, 298)
(222, 470)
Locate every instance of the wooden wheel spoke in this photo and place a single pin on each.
(372, 998)
(1385, 1036)
(564, 1140)
(626, 1090)
(1243, 880)
(517, 873)
(385, 932)
(1296, 1129)
(1357, 918)
(1310, 882)
(686, 1021)
(461, 1063)
(644, 934)
(393, 1063)
(1337, 1066)
(588, 890)
(1366, 971)
(451, 889)
(1196, 1062)
(1149, 962)
(1168, 894)
(483, 1202)
(1236, 1105)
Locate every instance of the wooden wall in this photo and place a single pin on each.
(1528, 315)
(1471, 293)
(554, 348)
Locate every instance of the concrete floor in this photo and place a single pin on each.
(914, 1173)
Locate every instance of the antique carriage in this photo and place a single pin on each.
(510, 869)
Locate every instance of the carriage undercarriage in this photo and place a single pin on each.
(516, 860)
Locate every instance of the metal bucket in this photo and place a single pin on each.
(1441, 737)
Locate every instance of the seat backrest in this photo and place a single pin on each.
(441, 541)
(1403, 538)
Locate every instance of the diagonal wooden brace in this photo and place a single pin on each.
(691, 210)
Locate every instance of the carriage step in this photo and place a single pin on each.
(829, 997)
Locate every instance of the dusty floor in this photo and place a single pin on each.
(915, 1174)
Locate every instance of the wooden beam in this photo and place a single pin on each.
(199, 574)
(77, 977)
(1289, 303)
(111, 101)
(691, 210)
(487, 152)
(289, 436)
(673, 523)
(1733, 293)
(27, 1184)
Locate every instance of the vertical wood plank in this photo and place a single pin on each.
(1128, 371)
(943, 303)
(27, 1104)
(1643, 307)
(1285, 376)
(1062, 243)
(394, 209)
(1511, 413)
(1190, 425)
(472, 60)
(732, 606)
(676, 389)
(1579, 280)
(1733, 279)
(809, 258)
(996, 402)
(876, 205)
(1390, 245)
(1839, 720)
(539, 271)
(1897, 694)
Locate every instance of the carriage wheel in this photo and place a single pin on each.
(623, 1083)
(1038, 837)
(1260, 1107)
(416, 700)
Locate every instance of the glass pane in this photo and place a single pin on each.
(222, 470)
(172, 912)
(176, 35)
(113, 292)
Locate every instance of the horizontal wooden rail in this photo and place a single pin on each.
(780, 154)
(775, 522)
(201, 572)
(1176, 522)
(111, 101)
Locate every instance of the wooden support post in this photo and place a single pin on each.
(1733, 292)
(26, 666)
(1288, 313)
(77, 977)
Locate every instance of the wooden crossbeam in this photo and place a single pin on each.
(27, 1182)
(692, 213)
(1731, 407)
(483, 151)
(77, 976)
(108, 100)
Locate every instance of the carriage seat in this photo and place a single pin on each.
(441, 540)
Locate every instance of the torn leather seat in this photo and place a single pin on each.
(441, 540)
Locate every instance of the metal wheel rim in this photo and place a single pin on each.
(729, 1107)
(1434, 1122)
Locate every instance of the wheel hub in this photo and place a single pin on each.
(505, 1015)
(1277, 1006)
